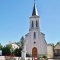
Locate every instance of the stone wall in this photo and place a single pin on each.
(49, 51)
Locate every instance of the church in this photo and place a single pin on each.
(35, 43)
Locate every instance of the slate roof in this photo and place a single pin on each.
(35, 12)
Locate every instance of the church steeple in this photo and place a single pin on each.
(34, 19)
(35, 12)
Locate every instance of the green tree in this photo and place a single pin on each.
(1, 46)
(10, 47)
(21, 42)
(17, 52)
(58, 43)
(6, 51)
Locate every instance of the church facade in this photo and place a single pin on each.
(36, 44)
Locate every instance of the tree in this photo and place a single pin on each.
(21, 42)
(1, 46)
(10, 47)
(6, 51)
(17, 52)
(58, 43)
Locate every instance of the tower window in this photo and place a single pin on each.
(32, 23)
(36, 24)
(34, 34)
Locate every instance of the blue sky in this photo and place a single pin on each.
(14, 19)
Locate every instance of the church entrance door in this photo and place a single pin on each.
(34, 52)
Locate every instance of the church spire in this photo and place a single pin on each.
(35, 12)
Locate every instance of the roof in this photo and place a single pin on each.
(57, 47)
(12, 43)
(35, 12)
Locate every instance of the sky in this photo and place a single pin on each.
(14, 19)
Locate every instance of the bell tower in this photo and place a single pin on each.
(34, 19)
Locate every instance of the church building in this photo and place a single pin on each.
(36, 44)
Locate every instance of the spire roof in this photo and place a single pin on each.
(35, 12)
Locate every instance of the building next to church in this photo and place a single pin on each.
(14, 45)
(36, 44)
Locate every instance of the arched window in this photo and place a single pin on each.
(36, 24)
(34, 34)
(32, 23)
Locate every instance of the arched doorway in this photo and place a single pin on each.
(34, 52)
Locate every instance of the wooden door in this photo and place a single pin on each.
(34, 52)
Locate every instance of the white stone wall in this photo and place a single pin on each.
(49, 51)
(41, 44)
(34, 19)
